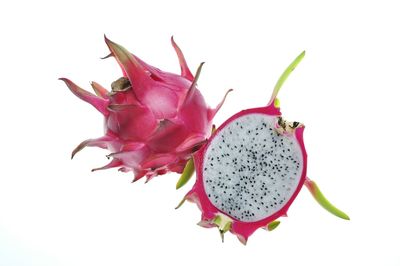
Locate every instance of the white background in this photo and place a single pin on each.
(54, 211)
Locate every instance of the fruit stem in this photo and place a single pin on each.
(285, 75)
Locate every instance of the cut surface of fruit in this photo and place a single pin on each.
(250, 171)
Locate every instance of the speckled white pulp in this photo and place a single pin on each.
(250, 171)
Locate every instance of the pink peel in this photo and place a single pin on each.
(99, 103)
(190, 142)
(185, 71)
(154, 120)
(213, 112)
(114, 163)
(99, 90)
(99, 142)
(130, 66)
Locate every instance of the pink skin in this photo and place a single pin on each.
(153, 127)
(197, 194)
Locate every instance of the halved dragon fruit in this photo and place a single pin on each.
(251, 170)
(154, 120)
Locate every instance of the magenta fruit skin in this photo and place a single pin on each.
(153, 120)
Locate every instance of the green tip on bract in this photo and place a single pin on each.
(217, 220)
(227, 227)
(224, 224)
(186, 174)
(194, 82)
(285, 75)
(273, 225)
(180, 203)
(222, 235)
(320, 198)
(277, 103)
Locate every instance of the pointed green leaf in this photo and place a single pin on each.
(320, 198)
(180, 203)
(273, 225)
(186, 174)
(285, 75)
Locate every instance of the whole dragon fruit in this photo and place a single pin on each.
(154, 120)
(251, 169)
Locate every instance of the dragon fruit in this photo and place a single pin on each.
(251, 170)
(154, 120)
